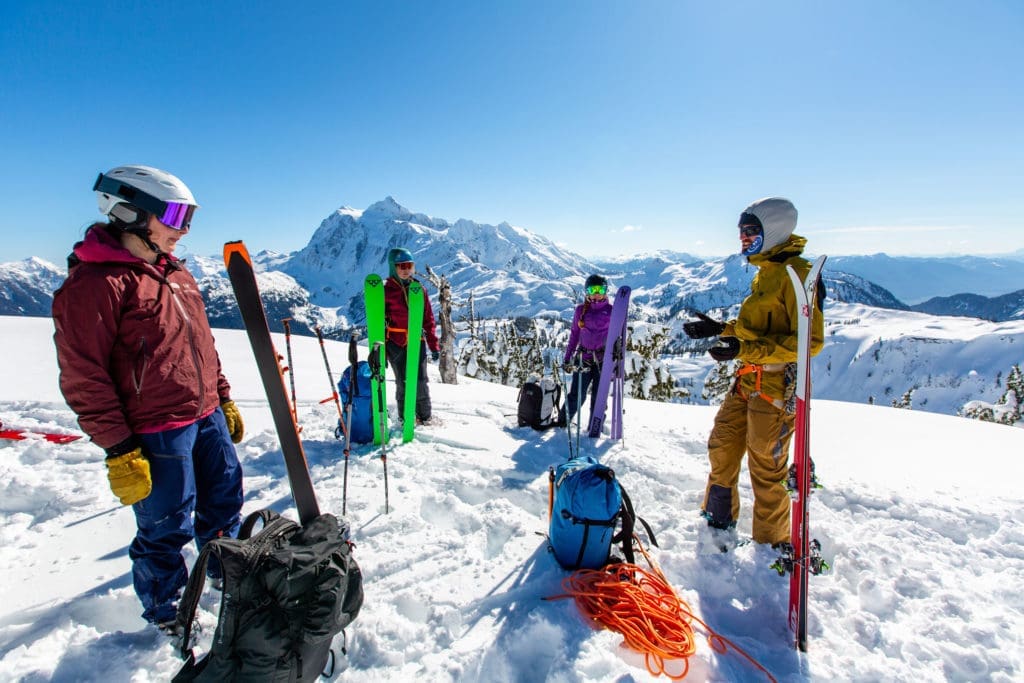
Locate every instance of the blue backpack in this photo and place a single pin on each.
(588, 505)
(362, 406)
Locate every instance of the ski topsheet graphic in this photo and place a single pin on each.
(412, 359)
(802, 558)
(616, 335)
(254, 317)
(16, 434)
(373, 295)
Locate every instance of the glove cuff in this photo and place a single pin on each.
(126, 446)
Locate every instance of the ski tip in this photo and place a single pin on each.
(236, 248)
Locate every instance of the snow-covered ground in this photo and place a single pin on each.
(922, 517)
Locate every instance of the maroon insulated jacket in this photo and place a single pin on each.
(134, 346)
(396, 313)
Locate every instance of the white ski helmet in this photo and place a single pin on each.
(123, 191)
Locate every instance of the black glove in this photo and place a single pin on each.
(726, 348)
(434, 355)
(703, 328)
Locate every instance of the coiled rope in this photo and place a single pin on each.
(642, 606)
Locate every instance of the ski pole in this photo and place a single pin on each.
(330, 377)
(337, 404)
(291, 371)
(353, 389)
(578, 364)
(559, 372)
(378, 370)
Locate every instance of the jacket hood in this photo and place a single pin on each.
(778, 219)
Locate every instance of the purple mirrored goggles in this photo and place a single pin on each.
(176, 215)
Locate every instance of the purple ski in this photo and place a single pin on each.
(612, 366)
(618, 384)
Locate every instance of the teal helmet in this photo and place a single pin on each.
(395, 256)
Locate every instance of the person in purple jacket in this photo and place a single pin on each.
(586, 339)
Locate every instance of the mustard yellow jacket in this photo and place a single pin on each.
(767, 321)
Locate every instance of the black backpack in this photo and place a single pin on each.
(539, 399)
(288, 591)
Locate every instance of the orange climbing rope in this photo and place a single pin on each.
(642, 606)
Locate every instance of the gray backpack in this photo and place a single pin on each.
(288, 591)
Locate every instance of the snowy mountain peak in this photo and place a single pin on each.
(350, 212)
(388, 207)
(508, 269)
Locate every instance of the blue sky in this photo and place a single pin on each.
(609, 127)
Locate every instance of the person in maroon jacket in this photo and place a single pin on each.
(139, 368)
(396, 313)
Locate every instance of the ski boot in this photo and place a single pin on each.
(791, 484)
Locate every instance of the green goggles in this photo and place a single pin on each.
(597, 290)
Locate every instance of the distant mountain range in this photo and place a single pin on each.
(876, 348)
(1006, 307)
(917, 279)
(510, 271)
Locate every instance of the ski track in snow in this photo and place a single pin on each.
(926, 579)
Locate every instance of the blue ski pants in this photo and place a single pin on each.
(197, 495)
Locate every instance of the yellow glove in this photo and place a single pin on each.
(234, 419)
(129, 476)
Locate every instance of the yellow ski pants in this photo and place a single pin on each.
(757, 427)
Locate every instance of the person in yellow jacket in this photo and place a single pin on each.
(757, 417)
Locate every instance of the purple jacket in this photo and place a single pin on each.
(592, 333)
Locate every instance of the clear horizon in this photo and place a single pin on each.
(895, 128)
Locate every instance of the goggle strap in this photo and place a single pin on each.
(174, 214)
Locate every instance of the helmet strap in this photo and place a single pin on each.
(133, 221)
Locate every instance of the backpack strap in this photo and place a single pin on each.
(629, 520)
(245, 530)
(190, 601)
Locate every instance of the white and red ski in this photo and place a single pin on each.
(803, 558)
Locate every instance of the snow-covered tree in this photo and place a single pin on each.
(906, 401)
(647, 377)
(516, 349)
(1008, 409)
(718, 382)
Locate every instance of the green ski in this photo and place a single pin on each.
(412, 359)
(373, 292)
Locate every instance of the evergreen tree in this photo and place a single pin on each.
(1012, 399)
(1008, 409)
(647, 377)
(906, 401)
(718, 382)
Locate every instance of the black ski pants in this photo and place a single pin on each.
(396, 359)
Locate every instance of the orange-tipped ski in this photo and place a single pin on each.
(254, 317)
